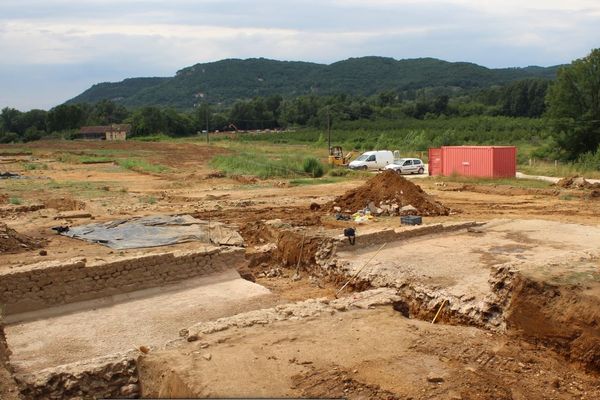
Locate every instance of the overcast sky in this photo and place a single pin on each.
(51, 50)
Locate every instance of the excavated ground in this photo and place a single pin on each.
(518, 297)
(362, 354)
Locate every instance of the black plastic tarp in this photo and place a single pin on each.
(156, 231)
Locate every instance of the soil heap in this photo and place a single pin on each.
(13, 242)
(388, 190)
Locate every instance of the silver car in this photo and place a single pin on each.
(407, 166)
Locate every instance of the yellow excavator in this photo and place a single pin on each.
(337, 158)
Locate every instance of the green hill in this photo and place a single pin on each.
(229, 80)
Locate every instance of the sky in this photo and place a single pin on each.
(52, 50)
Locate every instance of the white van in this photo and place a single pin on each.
(373, 160)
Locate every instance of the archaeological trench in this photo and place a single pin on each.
(506, 309)
(498, 279)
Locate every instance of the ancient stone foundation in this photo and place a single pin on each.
(55, 283)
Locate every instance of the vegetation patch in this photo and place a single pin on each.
(148, 200)
(33, 166)
(514, 182)
(312, 181)
(142, 166)
(313, 167)
(95, 160)
(259, 165)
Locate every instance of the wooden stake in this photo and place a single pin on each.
(300, 256)
(358, 272)
(439, 311)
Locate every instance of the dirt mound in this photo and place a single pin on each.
(13, 242)
(64, 204)
(389, 190)
(577, 182)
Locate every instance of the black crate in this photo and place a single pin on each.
(411, 220)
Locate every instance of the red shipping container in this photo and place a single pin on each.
(475, 161)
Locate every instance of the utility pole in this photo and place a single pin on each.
(207, 133)
(328, 131)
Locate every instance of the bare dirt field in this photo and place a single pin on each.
(515, 291)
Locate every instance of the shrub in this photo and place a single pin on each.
(339, 172)
(313, 167)
(9, 137)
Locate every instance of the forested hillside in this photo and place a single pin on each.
(230, 80)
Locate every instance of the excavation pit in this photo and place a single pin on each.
(468, 274)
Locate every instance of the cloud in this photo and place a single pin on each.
(100, 40)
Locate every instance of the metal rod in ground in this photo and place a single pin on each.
(439, 311)
(359, 271)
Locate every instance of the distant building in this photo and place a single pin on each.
(107, 132)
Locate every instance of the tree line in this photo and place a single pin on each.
(571, 103)
(523, 98)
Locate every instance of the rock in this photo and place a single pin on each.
(276, 223)
(184, 332)
(144, 349)
(372, 207)
(43, 253)
(580, 182)
(296, 277)
(72, 215)
(434, 378)
(337, 209)
(130, 390)
(265, 248)
(207, 356)
(192, 338)
(315, 207)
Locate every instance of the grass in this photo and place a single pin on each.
(154, 138)
(95, 159)
(267, 160)
(143, 166)
(148, 200)
(559, 169)
(259, 165)
(33, 166)
(15, 201)
(524, 183)
(317, 181)
(75, 188)
(15, 151)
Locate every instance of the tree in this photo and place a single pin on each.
(574, 106)
(65, 116)
(148, 121)
(106, 112)
(8, 118)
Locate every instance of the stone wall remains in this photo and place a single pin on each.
(109, 377)
(404, 233)
(43, 285)
(8, 387)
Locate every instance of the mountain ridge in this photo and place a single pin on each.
(228, 80)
